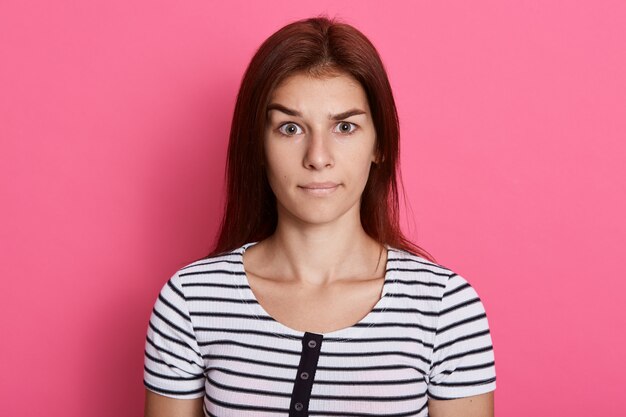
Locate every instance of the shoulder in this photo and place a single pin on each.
(401, 258)
(228, 263)
(212, 271)
(434, 279)
(411, 269)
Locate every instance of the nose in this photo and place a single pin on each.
(318, 153)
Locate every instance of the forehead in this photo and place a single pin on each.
(303, 90)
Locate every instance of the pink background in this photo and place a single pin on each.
(114, 118)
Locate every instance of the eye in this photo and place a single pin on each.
(345, 127)
(290, 129)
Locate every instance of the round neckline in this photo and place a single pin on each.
(353, 330)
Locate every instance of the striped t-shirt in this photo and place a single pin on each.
(427, 337)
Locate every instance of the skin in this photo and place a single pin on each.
(160, 406)
(475, 406)
(319, 130)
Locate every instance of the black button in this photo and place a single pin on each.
(299, 406)
(304, 375)
(312, 343)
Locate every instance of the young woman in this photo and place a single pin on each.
(313, 302)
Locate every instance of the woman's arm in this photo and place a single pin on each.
(475, 406)
(161, 406)
(172, 361)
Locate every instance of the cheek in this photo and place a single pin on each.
(365, 163)
(275, 164)
(278, 169)
(270, 157)
(363, 160)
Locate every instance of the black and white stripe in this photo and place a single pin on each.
(428, 336)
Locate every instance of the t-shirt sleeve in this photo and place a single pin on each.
(463, 359)
(173, 365)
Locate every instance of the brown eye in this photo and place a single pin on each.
(345, 127)
(290, 129)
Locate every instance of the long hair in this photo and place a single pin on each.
(317, 46)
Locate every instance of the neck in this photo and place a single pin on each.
(322, 254)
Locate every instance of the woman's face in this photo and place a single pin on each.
(319, 145)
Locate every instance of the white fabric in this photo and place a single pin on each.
(428, 335)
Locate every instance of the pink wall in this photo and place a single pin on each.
(114, 118)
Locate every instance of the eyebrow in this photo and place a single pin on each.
(291, 112)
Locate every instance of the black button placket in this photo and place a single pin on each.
(311, 345)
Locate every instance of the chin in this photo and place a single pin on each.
(313, 215)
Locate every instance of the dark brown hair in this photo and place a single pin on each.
(317, 46)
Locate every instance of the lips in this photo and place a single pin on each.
(319, 188)
(320, 185)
